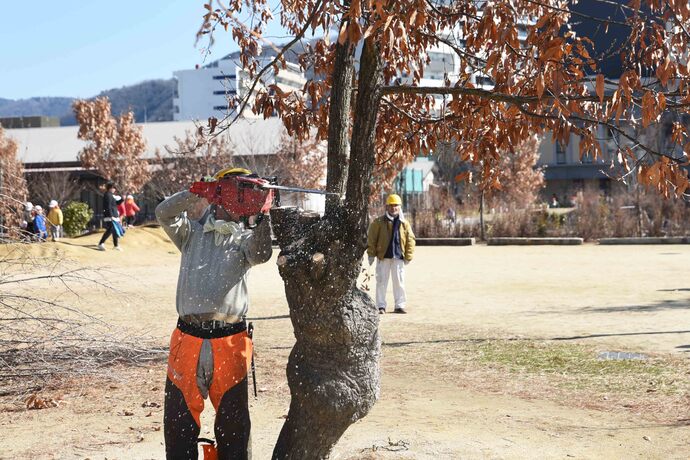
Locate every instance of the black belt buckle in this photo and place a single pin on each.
(213, 324)
(211, 329)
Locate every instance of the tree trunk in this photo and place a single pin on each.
(338, 123)
(333, 370)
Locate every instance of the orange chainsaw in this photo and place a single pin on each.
(247, 194)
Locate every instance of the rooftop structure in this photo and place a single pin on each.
(59, 147)
(28, 122)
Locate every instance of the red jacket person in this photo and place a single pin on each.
(210, 350)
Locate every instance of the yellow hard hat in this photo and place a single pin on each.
(393, 199)
(230, 171)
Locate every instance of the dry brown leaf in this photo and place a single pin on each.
(35, 402)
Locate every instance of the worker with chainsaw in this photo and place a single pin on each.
(210, 350)
(390, 240)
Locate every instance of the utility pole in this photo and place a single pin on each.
(481, 215)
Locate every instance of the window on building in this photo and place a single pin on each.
(605, 186)
(611, 143)
(223, 92)
(560, 153)
(587, 158)
(484, 81)
(223, 77)
(221, 107)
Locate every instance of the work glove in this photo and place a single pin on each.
(371, 260)
(254, 221)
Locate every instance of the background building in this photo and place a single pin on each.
(56, 150)
(209, 91)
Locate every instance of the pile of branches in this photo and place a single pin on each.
(44, 340)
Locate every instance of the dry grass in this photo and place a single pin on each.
(44, 338)
(657, 388)
(620, 214)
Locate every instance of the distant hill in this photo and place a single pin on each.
(150, 100)
(46, 106)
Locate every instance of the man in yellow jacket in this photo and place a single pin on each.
(392, 242)
(55, 220)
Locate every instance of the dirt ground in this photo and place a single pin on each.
(432, 406)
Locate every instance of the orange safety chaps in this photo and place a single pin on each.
(228, 392)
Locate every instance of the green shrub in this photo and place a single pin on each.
(77, 216)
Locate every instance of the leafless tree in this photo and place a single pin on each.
(188, 160)
(52, 185)
(13, 190)
(42, 337)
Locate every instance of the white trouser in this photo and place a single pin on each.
(384, 269)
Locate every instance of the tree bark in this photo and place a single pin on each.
(338, 123)
(333, 370)
(363, 148)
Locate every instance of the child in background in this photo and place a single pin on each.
(55, 220)
(40, 224)
(28, 219)
(131, 210)
(120, 208)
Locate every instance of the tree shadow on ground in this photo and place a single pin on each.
(621, 334)
(657, 306)
(427, 342)
(422, 342)
(85, 246)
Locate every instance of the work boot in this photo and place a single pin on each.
(382, 311)
(400, 310)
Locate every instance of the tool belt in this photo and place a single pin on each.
(212, 329)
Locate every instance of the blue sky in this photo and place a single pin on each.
(79, 48)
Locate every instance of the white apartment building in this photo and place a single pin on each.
(208, 91)
(444, 63)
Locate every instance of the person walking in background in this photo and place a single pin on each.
(55, 220)
(131, 210)
(391, 240)
(40, 224)
(121, 210)
(110, 215)
(553, 203)
(28, 219)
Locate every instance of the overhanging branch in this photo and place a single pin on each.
(510, 98)
(276, 59)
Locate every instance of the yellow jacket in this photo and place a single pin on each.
(380, 234)
(55, 216)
